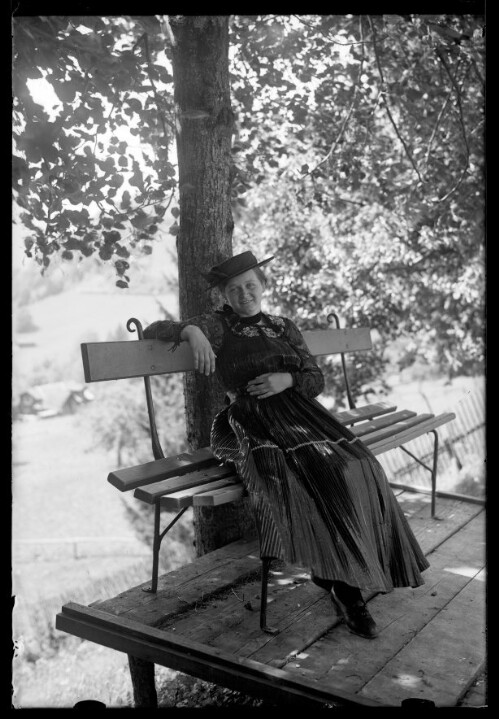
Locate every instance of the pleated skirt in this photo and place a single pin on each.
(320, 498)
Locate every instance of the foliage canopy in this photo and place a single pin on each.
(357, 159)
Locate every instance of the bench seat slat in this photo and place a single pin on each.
(183, 498)
(151, 492)
(395, 429)
(367, 411)
(383, 421)
(219, 496)
(386, 444)
(150, 472)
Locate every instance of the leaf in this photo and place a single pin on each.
(125, 199)
(140, 220)
(137, 179)
(106, 252)
(134, 104)
(110, 237)
(116, 181)
(121, 251)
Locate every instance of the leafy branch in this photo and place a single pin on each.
(437, 124)
(440, 55)
(385, 102)
(346, 120)
(144, 40)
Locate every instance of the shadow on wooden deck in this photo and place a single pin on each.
(204, 621)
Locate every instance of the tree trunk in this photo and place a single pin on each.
(204, 122)
(143, 684)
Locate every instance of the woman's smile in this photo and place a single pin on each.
(244, 293)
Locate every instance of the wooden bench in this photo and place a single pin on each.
(197, 478)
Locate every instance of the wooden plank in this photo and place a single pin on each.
(302, 618)
(443, 659)
(308, 625)
(383, 421)
(334, 341)
(432, 532)
(367, 411)
(152, 492)
(184, 588)
(138, 358)
(150, 472)
(341, 657)
(227, 623)
(306, 630)
(215, 497)
(396, 429)
(184, 498)
(193, 658)
(220, 492)
(297, 608)
(386, 444)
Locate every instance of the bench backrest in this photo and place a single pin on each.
(143, 358)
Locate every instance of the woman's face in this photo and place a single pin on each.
(244, 293)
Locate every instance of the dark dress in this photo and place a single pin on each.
(321, 499)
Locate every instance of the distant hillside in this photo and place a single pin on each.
(79, 302)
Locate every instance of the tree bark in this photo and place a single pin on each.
(144, 688)
(204, 123)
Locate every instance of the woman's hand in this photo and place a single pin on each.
(268, 384)
(204, 357)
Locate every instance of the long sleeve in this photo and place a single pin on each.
(308, 380)
(169, 330)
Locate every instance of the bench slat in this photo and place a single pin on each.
(138, 358)
(367, 411)
(150, 472)
(383, 421)
(334, 341)
(152, 492)
(406, 436)
(183, 498)
(395, 429)
(219, 496)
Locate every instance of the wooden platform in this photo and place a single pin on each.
(204, 621)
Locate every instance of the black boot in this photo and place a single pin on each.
(354, 610)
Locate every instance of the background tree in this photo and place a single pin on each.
(375, 200)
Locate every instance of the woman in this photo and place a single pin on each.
(320, 497)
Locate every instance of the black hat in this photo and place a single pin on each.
(233, 266)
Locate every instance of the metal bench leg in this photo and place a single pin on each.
(158, 538)
(263, 594)
(434, 472)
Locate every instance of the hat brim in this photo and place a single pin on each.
(240, 272)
